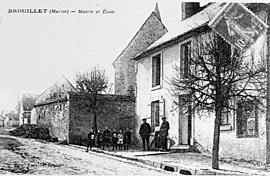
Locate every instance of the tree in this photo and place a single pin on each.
(216, 74)
(91, 84)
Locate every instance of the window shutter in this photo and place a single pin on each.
(152, 117)
(153, 72)
(162, 108)
(158, 67)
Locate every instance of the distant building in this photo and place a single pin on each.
(151, 30)
(26, 105)
(2, 119)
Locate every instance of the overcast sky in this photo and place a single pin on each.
(37, 49)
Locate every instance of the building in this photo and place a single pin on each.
(26, 105)
(154, 99)
(66, 113)
(151, 30)
(2, 119)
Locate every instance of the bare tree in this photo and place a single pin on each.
(91, 84)
(216, 74)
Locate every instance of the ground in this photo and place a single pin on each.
(30, 156)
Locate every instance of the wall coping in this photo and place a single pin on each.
(110, 97)
(51, 101)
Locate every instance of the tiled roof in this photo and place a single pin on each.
(58, 90)
(197, 20)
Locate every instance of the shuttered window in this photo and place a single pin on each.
(247, 119)
(185, 59)
(156, 73)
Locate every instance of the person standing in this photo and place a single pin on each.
(120, 140)
(145, 131)
(114, 139)
(106, 137)
(90, 140)
(99, 138)
(164, 132)
(127, 139)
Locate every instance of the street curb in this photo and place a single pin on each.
(174, 167)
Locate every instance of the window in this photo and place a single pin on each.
(185, 59)
(154, 115)
(247, 119)
(156, 66)
(225, 114)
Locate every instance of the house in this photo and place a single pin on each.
(26, 105)
(151, 30)
(9, 119)
(65, 112)
(2, 119)
(154, 100)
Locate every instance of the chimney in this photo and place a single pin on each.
(189, 9)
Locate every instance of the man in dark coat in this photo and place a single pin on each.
(145, 131)
(164, 132)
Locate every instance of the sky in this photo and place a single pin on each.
(38, 49)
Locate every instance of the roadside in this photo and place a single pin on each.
(31, 156)
(195, 163)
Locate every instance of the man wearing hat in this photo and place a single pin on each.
(145, 131)
(164, 132)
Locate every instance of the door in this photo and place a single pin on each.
(184, 121)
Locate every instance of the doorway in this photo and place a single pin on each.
(185, 116)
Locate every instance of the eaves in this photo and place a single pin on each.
(182, 37)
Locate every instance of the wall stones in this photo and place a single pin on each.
(70, 119)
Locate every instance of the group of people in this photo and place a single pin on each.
(145, 132)
(102, 140)
(122, 139)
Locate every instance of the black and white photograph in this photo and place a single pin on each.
(134, 88)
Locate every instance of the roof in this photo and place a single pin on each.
(2, 117)
(127, 53)
(194, 22)
(59, 89)
(28, 101)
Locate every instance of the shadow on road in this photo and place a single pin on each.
(9, 143)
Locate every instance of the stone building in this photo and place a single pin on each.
(151, 30)
(66, 114)
(240, 137)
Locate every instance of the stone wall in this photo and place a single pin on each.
(54, 115)
(70, 119)
(118, 112)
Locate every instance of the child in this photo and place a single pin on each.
(106, 137)
(90, 140)
(120, 141)
(114, 139)
(99, 138)
(127, 139)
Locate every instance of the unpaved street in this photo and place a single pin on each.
(29, 156)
